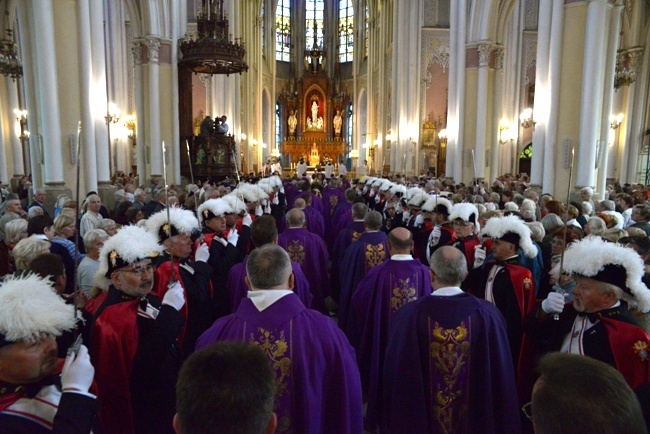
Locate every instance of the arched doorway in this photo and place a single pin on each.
(525, 158)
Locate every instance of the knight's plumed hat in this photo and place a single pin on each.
(130, 245)
(466, 212)
(181, 221)
(438, 205)
(418, 200)
(30, 308)
(214, 208)
(513, 230)
(235, 202)
(612, 263)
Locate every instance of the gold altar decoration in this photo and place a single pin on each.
(321, 148)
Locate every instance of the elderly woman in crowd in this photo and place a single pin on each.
(559, 243)
(93, 242)
(26, 250)
(108, 225)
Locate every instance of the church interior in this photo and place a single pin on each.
(462, 89)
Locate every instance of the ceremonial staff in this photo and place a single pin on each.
(475, 173)
(558, 287)
(77, 336)
(196, 200)
(169, 223)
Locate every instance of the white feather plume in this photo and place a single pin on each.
(218, 207)
(30, 308)
(590, 255)
(463, 211)
(235, 202)
(497, 227)
(183, 220)
(431, 203)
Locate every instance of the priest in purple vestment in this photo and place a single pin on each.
(386, 288)
(346, 236)
(341, 218)
(264, 231)
(448, 366)
(313, 220)
(309, 251)
(318, 389)
(369, 251)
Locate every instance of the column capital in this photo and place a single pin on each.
(153, 48)
(136, 49)
(499, 56)
(484, 51)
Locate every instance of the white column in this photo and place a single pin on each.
(497, 110)
(16, 146)
(4, 177)
(592, 91)
(99, 95)
(541, 109)
(456, 111)
(140, 148)
(153, 46)
(484, 50)
(48, 94)
(608, 96)
(553, 82)
(88, 145)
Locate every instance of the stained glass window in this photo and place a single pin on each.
(283, 31)
(346, 31)
(278, 137)
(315, 16)
(527, 152)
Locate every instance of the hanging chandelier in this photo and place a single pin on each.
(211, 50)
(10, 64)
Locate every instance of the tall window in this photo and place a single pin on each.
(314, 14)
(278, 136)
(283, 31)
(346, 31)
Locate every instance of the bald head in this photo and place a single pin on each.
(400, 241)
(448, 266)
(295, 218)
(300, 203)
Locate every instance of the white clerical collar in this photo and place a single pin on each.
(264, 298)
(447, 291)
(400, 257)
(41, 237)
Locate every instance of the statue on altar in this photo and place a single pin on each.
(314, 122)
(293, 122)
(338, 122)
(200, 156)
(314, 159)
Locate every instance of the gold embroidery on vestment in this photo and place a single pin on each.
(375, 255)
(402, 293)
(296, 252)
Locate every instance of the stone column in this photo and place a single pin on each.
(48, 99)
(16, 146)
(100, 98)
(484, 51)
(140, 149)
(499, 54)
(153, 46)
(608, 96)
(4, 177)
(456, 110)
(541, 109)
(88, 145)
(592, 91)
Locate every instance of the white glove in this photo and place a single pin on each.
(365, 189)
(247, 220)
(174, 296)
(202, 253)
(78, 372)
(479, 256)
(554, 303)
(434, 237)
(282, 190)
(406, 215)
(372, 193)
(267, 209)
(259, 211)
(276, 201)
(398, 208)
(419, 219)
(233, 236)
(377, 199)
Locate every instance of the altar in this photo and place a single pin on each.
(314, 152)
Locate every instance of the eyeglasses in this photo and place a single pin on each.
(139, 271)
(528, 410)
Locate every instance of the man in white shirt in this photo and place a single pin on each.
(91, 217)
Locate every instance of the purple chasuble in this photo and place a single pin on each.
(313, 221)
(318, 390)
(309, 251)
(448, 369)
(343, 240)
(385, 289)
(238, 289)
(369, 251)
(341, 218)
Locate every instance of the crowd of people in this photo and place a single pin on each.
(325, 305)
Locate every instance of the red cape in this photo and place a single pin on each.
(630, 346)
